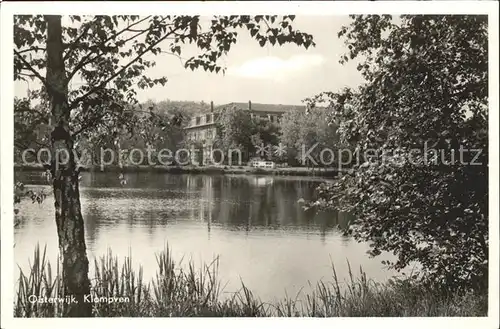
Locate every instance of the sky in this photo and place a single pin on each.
(271, 74)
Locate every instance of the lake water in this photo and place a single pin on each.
(254, 224)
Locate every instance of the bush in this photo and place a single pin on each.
(420, 206)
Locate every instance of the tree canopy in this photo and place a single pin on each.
(426, 90)
(89, 69)
(107, 57)
(309, 132)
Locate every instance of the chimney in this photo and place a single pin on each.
(249, 105)
(211, 106)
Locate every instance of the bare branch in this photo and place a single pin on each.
(181, 59)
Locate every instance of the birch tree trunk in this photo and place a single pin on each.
(69, 220)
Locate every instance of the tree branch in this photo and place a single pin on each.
(181, 59)
(74, 43)
(35, 72)
(89, 124)
(135, 36)
(31, 111)
(95, 120)
(83, 63)
(105, 82)
(85, 59)
(27, 75)
(31, 49)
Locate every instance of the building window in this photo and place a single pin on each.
(209, 134)
(208, 118)
(198, 119)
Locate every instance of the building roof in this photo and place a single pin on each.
(259, 107)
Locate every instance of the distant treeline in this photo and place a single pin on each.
(160, 125)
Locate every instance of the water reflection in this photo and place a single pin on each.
(234, 203)
(254, 224)
(256, 203)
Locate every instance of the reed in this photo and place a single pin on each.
(178, 291)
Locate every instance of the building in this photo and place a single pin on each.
(202, 128)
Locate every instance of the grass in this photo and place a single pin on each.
(177, 292)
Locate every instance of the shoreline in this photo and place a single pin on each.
(203, 170)
(186, 292)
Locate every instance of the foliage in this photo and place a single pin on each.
(309, 130)
(234, 131)
(189, 291)
(266, 133)
(426, 82)
(106, 56)
(20, 192)
(153, 127)
(91, 66)
(31, 129)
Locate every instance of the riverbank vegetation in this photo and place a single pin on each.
(421, 192)
(190, 291)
